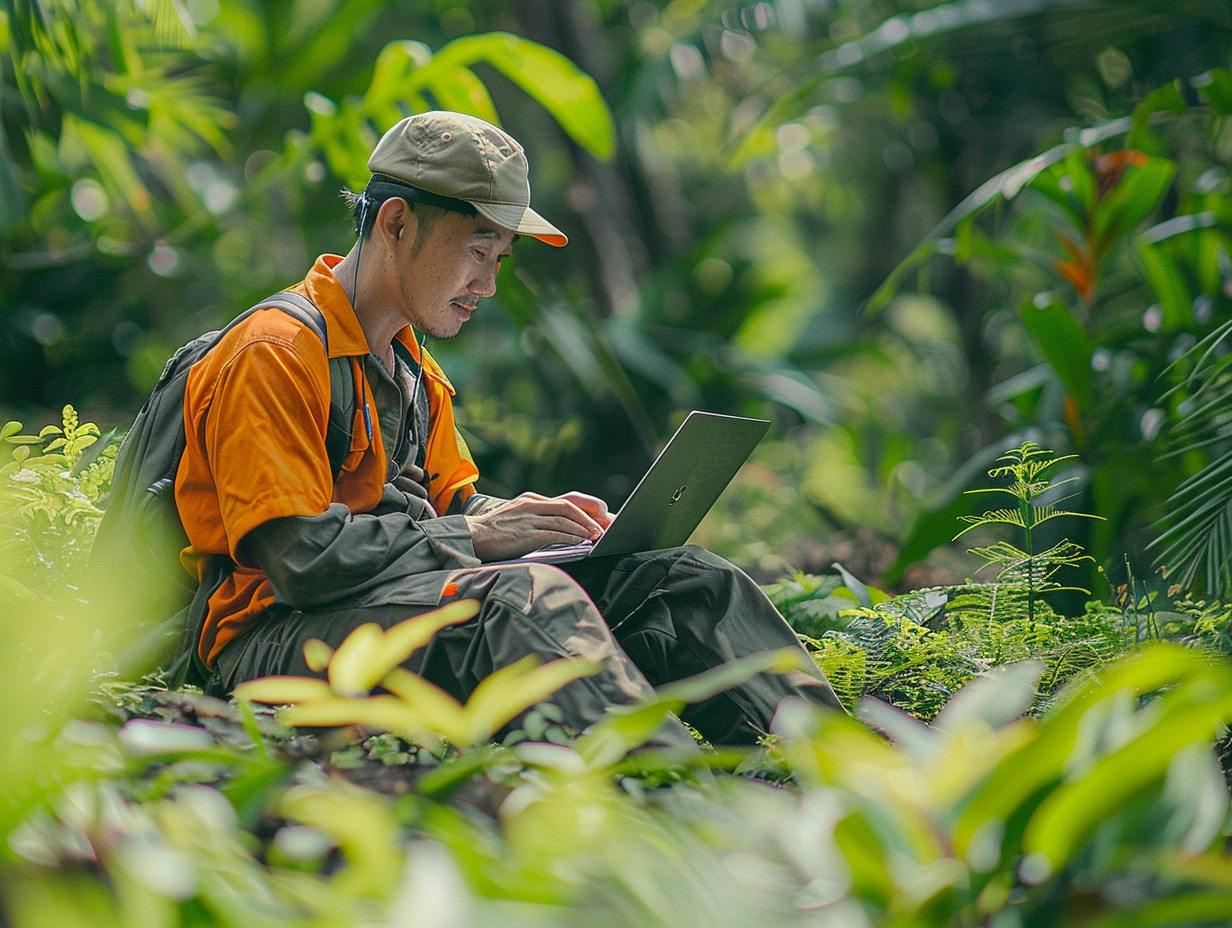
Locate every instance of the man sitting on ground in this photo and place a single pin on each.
(402, 530)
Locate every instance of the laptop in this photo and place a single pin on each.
(673, 497)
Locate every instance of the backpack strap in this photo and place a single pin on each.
(341, 413)
(294, 304)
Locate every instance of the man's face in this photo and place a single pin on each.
(443, 271)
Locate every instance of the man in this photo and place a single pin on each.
(402, 530)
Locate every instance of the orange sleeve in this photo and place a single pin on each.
(260, 438)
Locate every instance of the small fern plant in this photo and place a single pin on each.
(1030, 487)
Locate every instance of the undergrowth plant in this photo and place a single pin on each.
(918, 649)
(191, 811)
(368, 799)
(1034, 501)
(50, 487)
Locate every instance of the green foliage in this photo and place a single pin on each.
(1079, 783)
(147, 150)
(917, 650)
(50, 487)
(105, 99)
(1196, 538)
(987, 818)
(408, 77)
(1109, 244)
(412, 707)
(1109, 806)
(1034, 494)
(812, 604)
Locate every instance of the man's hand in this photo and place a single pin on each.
(531, 521)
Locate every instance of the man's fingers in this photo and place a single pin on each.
(565, 509)
(570, 526)
(530, 521)
(592, 506)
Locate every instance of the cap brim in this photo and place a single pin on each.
(523, 220)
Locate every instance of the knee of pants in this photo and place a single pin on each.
(524, 587)
(717, 577)
(554, 606)
(701, 559)
(538, 608)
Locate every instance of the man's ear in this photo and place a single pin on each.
(395, 219)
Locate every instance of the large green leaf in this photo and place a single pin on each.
(1070, 815)
(1064, 345)
(1163, 272)
(569, 94)
(1135, 197)
(1215, 87)
(1069, 185)
(1071, 737)
(408, 78)
(1184, 907)
(462, 91)
(1005, 186)
(623, 730)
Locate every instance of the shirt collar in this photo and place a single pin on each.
(346, 335)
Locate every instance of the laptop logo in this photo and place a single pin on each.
(676, 496)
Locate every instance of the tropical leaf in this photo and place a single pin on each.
(408, 75)
(1196, 535)
(516, 687)
(551, 79)
(283, 690)
(622, 730)
(1005, 186)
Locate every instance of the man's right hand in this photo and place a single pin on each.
(531, 521)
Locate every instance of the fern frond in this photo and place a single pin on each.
(1004, 554)
(1042, 514)
(993, 517)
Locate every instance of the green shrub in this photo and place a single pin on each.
(50, 487)
(1101, 803)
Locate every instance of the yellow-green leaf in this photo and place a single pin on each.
(569, 94)
(405, 638)
(351, 670)
(517, 687)
(284, 690)
(317, 654)
(440, 713)
(376, 713)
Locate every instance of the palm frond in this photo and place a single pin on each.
(1196, 535)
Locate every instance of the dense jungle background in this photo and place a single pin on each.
(972, 259)
(912, 236)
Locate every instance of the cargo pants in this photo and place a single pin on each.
(648, 618)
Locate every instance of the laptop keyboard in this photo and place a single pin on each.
(567, 550)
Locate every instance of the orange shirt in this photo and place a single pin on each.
(256, 410)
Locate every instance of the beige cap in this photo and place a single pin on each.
(459, 156)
